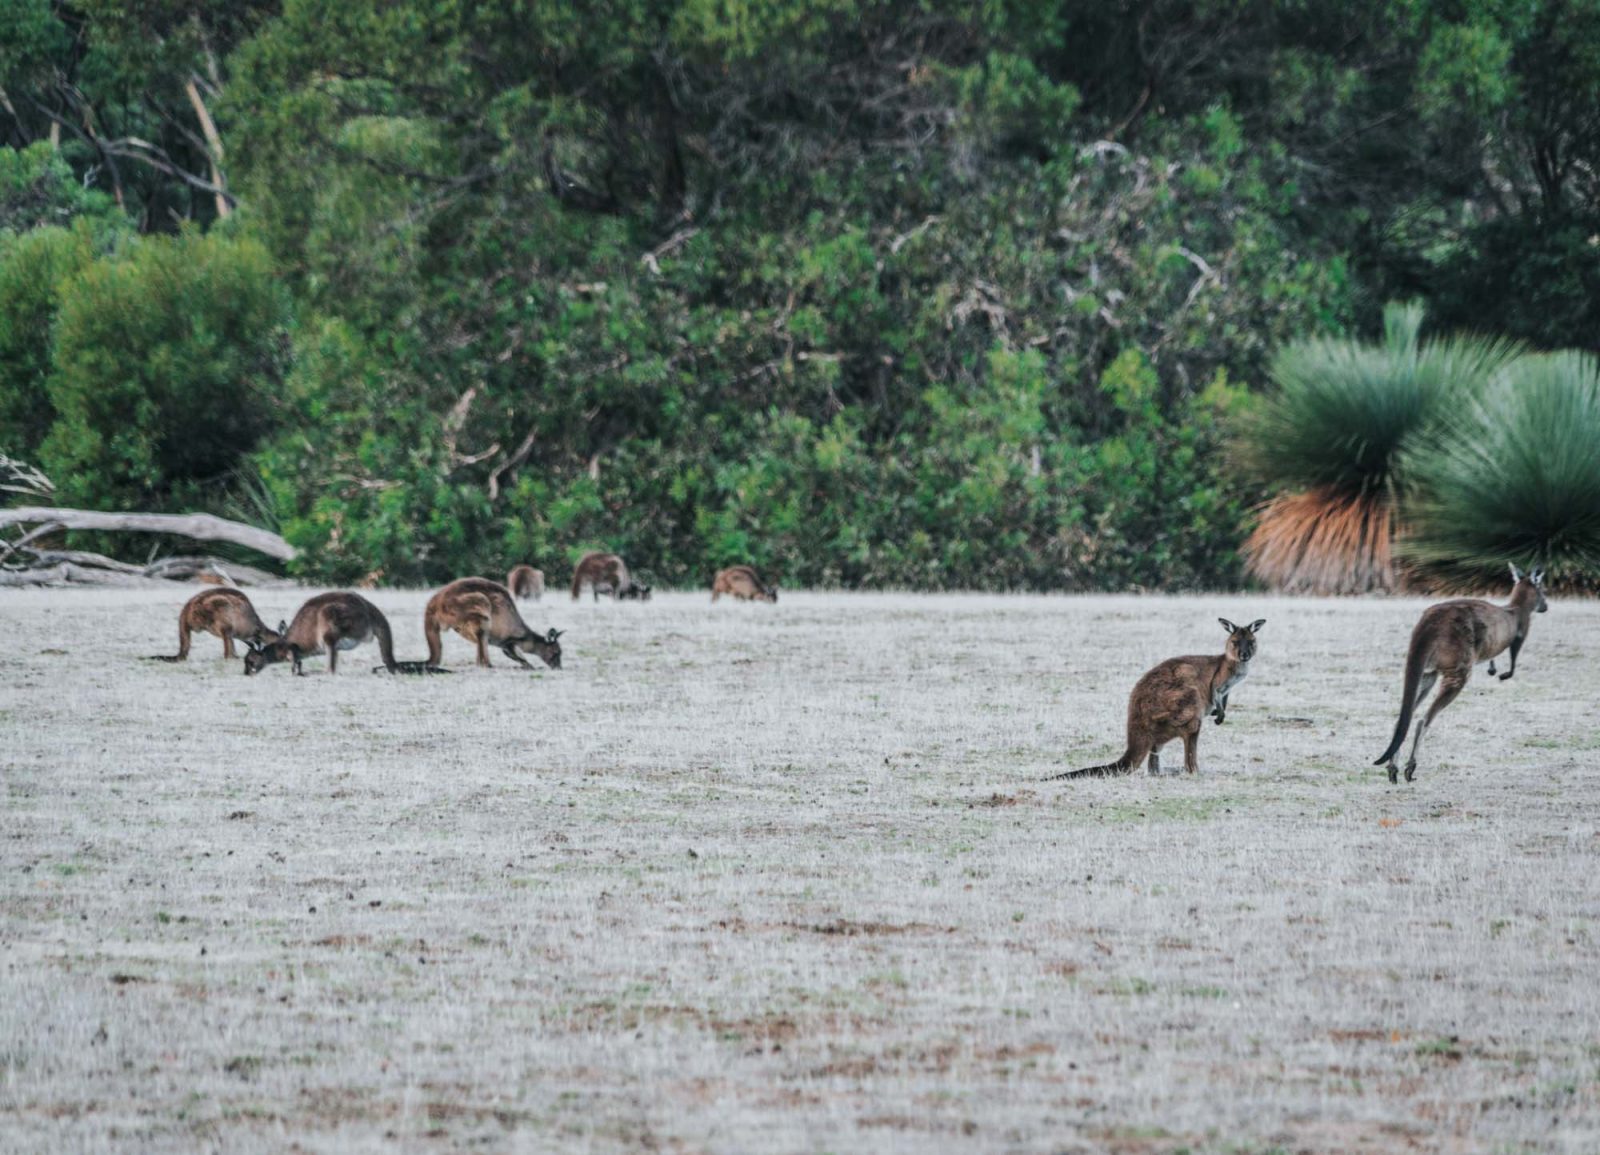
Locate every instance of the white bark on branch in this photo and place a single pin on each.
(200, 526)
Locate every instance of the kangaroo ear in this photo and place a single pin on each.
(1227, 625)
(554, 634)
(253, 645)
(1516, 574)
(283, 626)
(1257, 624)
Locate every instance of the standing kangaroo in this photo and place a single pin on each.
(225, 612)
(609, 572)
(743, 583)
(526, 582)
(1174, 698)
(1449, 638)
(484, 613)
(327, 624)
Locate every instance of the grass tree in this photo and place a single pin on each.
(1331, 440)
(1513, 475)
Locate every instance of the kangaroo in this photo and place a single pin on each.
(1448, 639)
(1174, 698)
(327, 623)
(526, 582)
(484, 613)
(609, 572)
(742, 582)
(222, 611)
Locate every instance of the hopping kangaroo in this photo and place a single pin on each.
(526, 582)
(609, 572)
(1450, 637)
(484, 613)
(327, 624)
(225, 612)
(743, 583)
(1174, 698)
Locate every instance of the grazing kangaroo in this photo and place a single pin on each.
(484, 613)
(327, 624)
(609, 572)
(526, 582)
(1448, 639)
(742, 582)
(1174, 698)
(223, 611)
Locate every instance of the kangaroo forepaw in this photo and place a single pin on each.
(1411, 770)
(1219, 716)
(1491, 667)
(1394, 774)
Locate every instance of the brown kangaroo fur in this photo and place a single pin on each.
(526, 582)
(742, 582)
(609, 572)
(1174, 698)
(327, 624)
(224, 612)
(484, 613)
(1448, 640)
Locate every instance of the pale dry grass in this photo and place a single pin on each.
(753, 878)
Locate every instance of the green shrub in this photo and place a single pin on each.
(1513, 477)
(168, 356)
(1331, 440)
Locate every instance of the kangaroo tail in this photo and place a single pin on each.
(1408, 700)
(380, 627)
(1123, 765)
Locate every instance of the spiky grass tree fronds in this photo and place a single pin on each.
(1514, 477)
(1331, 440)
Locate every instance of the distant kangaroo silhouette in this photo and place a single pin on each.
(526, 582)
(1448, 639)
(742, 583)
(609, 572)
(1172, 699)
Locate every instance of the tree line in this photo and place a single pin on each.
(867, 293)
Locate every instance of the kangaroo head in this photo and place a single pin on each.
(772, 594)
(1242, 639)
(1534, 580)
(262, 655)
(548, 649)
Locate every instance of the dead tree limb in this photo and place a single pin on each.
(200, 526)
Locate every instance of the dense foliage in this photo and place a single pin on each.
(866, 292)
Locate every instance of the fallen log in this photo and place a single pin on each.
(68, 574)
(192, 568)
(200, 526)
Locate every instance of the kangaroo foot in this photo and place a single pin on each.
(1504, 676)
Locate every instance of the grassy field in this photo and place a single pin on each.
(751, 878)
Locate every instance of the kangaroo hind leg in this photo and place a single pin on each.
(1454, 682)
